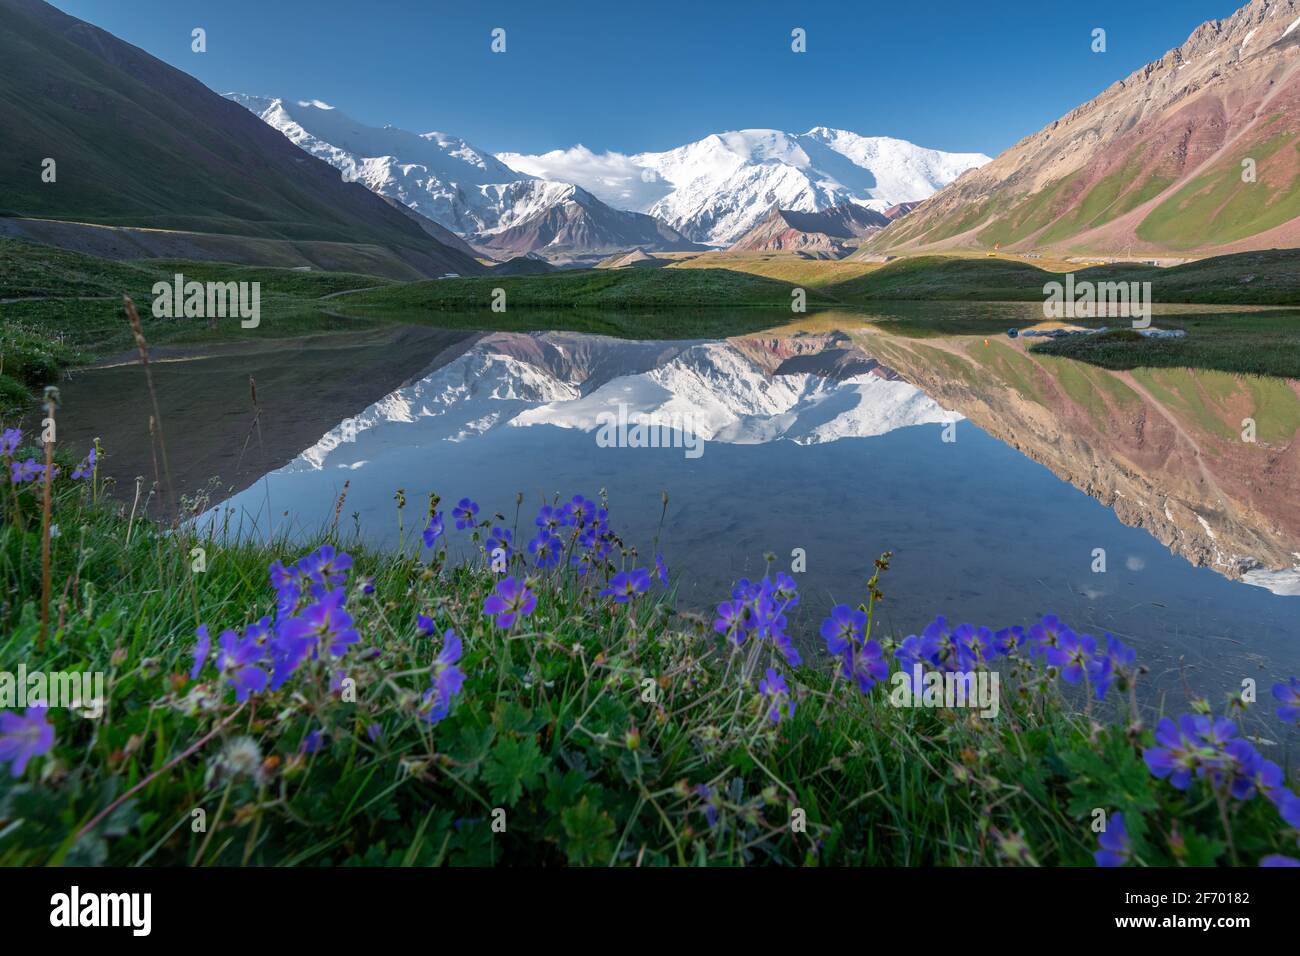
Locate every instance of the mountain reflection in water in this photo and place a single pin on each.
(834, 442)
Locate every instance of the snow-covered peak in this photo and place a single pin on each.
(568, 380)
(441, 176)
(713, 190)
(716, 188)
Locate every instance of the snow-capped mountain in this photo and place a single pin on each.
(712, 191)
(804, 389)
(574, 224)
(449, 181)
(718, 188)
(442, 177)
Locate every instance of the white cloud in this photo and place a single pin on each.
(613, 178)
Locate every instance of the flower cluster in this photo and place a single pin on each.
(31, 470)
(757, 610)
(1197, 746)
(1077, 658)
(1194, 747)
(862, 660)
(20, 472)
(1208, 748)
(310, 622)
(779, 701)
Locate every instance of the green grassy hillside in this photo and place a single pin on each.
(588, 288)
(1249, 278)
(139, 143)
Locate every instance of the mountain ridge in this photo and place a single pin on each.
(140, 144)
(828, 232)
(448, 181)
(716, 189)
(1152, 165)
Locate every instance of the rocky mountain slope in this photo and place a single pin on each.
(1198, 152)
(1162, 448)
(828, 232)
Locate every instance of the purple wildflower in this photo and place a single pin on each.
(9, 440)
(446, 678)
(580, 510)
(287, 651)
(325, 623)
(238, 660)
(784, 591)
(24, 471)
(87, 466)
(626, 585)
(973, 645)
(465, 513)
(1006, 641)
(500, 540)
(1288, 805)
(327, 566)
(865, 665)
(1114, 844)
(1190, 746)
(201, 651)
(1288, 695)
(732, 621)
(781, 703)
(1045, 640)
(843, 629)
(433, 531)
(1080, 650)
(25, 737)
(551, 519)
(510, 601)
(705, 793)
(661, 570)
(546, 549)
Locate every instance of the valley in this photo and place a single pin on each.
(554, 435)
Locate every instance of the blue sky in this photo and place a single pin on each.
(949, 74)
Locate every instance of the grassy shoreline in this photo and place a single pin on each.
(587, 730)
(63, 309)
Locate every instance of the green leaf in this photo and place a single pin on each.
(1113, 778)
(1202, 850)
(563, 790)
(588, 833)
(513, 767)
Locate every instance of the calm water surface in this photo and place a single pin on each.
(994, 476)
